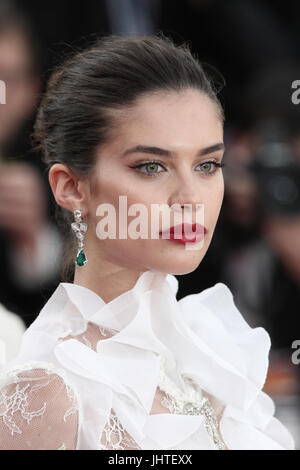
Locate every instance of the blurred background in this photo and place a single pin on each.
(256, 247)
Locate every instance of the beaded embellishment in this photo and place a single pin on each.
(189, 402)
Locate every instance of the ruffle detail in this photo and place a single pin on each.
(202, 337)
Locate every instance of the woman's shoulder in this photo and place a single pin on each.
(38, 408)
(40, 398)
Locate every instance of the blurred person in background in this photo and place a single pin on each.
(11, 332)
(263, 204)
(261, 224)
(30, 244)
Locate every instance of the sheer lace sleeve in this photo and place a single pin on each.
(38, 411)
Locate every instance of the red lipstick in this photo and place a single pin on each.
(184, 233)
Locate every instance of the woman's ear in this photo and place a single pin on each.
(68, 189)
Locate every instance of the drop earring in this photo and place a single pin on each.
(79, 228)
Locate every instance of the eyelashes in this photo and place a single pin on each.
(154, 163)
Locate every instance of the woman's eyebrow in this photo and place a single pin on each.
(167, 153)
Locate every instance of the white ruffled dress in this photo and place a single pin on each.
(144, 371)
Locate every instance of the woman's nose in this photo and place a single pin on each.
(187, 191)
(186, 196)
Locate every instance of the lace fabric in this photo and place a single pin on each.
(89, 374)
(115, 436)
(36, 401)
(38, 410)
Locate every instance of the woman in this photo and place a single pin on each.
(114, 361)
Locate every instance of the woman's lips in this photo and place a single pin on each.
(184, 233)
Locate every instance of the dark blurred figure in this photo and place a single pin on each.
(261, 225)
(262, 205)
(30, 244)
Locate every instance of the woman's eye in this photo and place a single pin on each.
(209, 167)
(151, 168)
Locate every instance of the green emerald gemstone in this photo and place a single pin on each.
(81, 258)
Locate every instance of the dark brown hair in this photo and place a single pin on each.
(76, 114)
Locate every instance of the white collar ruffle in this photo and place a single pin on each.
(202, 336)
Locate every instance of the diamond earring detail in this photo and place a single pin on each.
(79, 228)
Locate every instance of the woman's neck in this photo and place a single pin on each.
(107, 282)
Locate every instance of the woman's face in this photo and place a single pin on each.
(182, 131)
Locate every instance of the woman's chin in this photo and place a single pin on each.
(176, 266)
